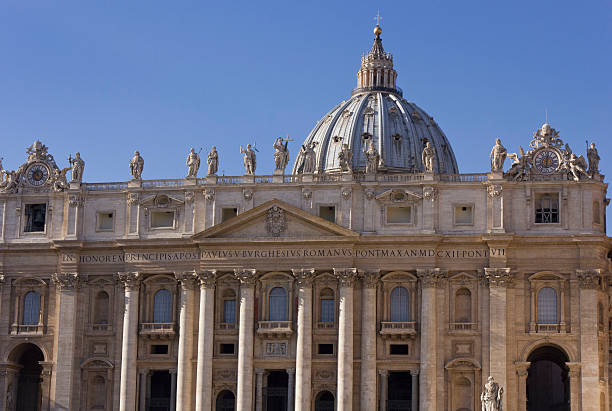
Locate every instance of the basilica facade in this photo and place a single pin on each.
(372, 276)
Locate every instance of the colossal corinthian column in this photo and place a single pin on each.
(303, 357)
(368, 340)
(205, 341)
(185, 342)
(346, 278)
(247, 280)
(127, 392)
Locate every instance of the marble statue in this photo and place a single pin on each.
(346, 158)
(492, 395)
(78, 166)
(592, 155)
(59, 179)
(9, 185)
(372, 158)
(577, 166)
(136, 166)
(213, 161)
(498, 156)
(520, 166)
(193, 164)
(428, 156)
(309, 158)
(281, 154)
(250, 159)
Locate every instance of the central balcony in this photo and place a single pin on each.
(275, 329)
(26, 329)
(398, 330)
(159, 331)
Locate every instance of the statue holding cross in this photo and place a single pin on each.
(281, 153)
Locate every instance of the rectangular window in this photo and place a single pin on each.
(229, 311)
(105, 221)
(227, 213)
(328, 213)
(327, 311)
(399, 215)
(162, 219)
(159, 349)
(35, 217)
(596, 213)
(398, 349)
(326, 349)
(226, 349)
(547, 208)
(464, 215)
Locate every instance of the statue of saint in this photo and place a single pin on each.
(519, 170)
(59, 179)
(372, 158)
(346, 158)
(136, 166)
(281, 154)
(491, 397)
(427, 157)
(250, 159)
(593, 157)
(193, 164)
(309, 158)
(498, 156)
(9, 185)
(213, 161)
(78, 165)
(577, 166)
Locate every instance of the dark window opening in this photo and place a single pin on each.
(398, 349)
(547, 209)
(160, 391)
(326, 348)
(159, 349)
(328, 213)
(227, 213)
(226, 349)
(35, 215)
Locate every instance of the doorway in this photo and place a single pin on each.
(399, 391)
(276, 391)
(548, 387)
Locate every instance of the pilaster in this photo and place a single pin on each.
(574, 376)
(521, 373)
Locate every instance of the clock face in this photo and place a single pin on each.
(546, 161)
(37, 174)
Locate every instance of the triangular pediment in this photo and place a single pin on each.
(398, 196)
(275, 219)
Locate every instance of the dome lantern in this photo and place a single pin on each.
(376, 72)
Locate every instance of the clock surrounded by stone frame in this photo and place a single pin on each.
(546, 161)
(37, 174)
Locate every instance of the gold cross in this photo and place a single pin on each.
(378, 18)
(287, 138)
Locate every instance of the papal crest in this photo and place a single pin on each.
(276, 221)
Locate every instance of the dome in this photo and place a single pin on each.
(377, 112)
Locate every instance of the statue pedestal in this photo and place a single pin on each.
(75, 185)
(278, 176)
(307, 178)
(347, 176)
(211, 179)
(496, 175)
(191, 181)
(428, 176)
(135, 183)
(248, 178)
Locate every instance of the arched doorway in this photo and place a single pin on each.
(29, 395)
(226, 401)
(547, 380)
(324, 401)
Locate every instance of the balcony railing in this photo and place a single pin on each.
(23, 329)
(461, 326)
(547, 328)
(157, 330)
(397, 330)
(227, 326)
(274, 328)
(326, 324)
(101, 328)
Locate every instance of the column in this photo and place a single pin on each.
(368, 340)
(532, 323)
(521, 372)
(45, 385)
(129, 342)
(346, 278)
(142, 401)
(185, 342)
(562, 324)
(382, 398)
(204, 372)
(499, 280)
(66, 285)
(428, 388)
(290, 389)
(247, 278)
(173, 391)
(574, 376)
(589, 354)
(415, 389)
(259, 372)
(303, 356)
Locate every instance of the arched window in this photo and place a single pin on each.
(463, 306)
(229, 307)
(162, 307)
(277, 309)
(101, 307)
(400, 305)
(226, 401)
(31, 308)
(324, 401)
(98, 393)
(327, 305)
(547, 306)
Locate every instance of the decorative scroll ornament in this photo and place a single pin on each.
(498, 277)
(370, 193)
(246, 277)
(346, 276)
(76, 200)
(208, 278)
(189, 196)
(307, 194)
(430, 193)
(431, 277)
(131, 280)
(209, 194)
(589, 279)
(133, 198)
(304, 277)
(276, 221)
(370, 278)
(187, 279)
(247, 194)
(65, 281)
(346, 193)
(494, 190)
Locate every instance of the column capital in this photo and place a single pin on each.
(574, 369)
(130, 279)
(522, 367)
(383, 373)
(346, 276)
(290, 371)
(370, 278)
(589, 279)
(304, 276)
(431, 277)
(65, 281)
(414, 372)
(247, 277)
(498, 277)
(260, 371)
(207, 278)
(187, 279)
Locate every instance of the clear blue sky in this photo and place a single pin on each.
(107, 78)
